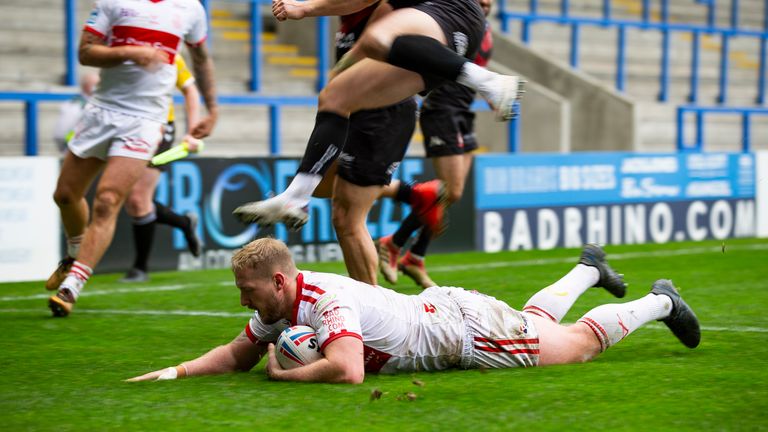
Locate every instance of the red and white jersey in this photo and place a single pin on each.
(399, 332)
(132, 89)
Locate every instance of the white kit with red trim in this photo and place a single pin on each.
(400, 332)
(132, 89)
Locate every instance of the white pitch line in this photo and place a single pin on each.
(159, 288)
(611, 257)
(654, 326)
(436, 269)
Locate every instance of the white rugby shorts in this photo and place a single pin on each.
(103, 133)
(497, 336)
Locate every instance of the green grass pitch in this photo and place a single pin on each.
(66, 374)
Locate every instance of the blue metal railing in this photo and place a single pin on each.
(32, 100)
(527, 19)
(72, 30)
(699, 112)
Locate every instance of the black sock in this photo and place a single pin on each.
(425, 56)
(143, 235)
(421, 244)
(325, 143)
(166, 216)
(407, 227)
(403, 194)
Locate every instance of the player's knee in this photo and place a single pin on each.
(134, 206)
(64, 196)
(106, 203)
(375, 43)
(334, 99)
(454, 194)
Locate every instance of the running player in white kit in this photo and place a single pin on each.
(363, 328)
(134, 42)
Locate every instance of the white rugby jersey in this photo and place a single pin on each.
(399, 332)
(132, 89)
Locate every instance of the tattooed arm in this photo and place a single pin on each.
(239, 355)
(202, 66)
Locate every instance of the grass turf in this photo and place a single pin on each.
(66, 374)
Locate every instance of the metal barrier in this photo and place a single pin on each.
(72, 35)
(699, 112)
(665, 27)
(275, 104)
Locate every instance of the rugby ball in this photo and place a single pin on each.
(297, 346)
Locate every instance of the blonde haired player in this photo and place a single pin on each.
(365, 328)
(140, 206)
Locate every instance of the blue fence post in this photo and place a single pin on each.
(664, 74)
(665, 11)
(30, 111)
(533, 7)
(70, 38)
(711, 14)
(565, 8)
(693, 96)
(680, 128)
(323, 55)
(575, 45)
(734, 14)
(761, 72)
(502, 15)
(513, 132)
(620, 58)
(745, 143)
(256, 29)
(525, 31)
(646, 10)
(274, 130)
(724, 61)
(699, 131)
(606, 9)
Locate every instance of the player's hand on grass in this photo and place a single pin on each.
(287, 9)
(274, 370)
(168, 373)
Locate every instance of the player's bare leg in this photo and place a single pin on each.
(452, 170)
(351, 204)
(119, 176)
(606, 325)
(76, 177)
(411, 39)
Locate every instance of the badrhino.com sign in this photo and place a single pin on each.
(543, 202)
(547, 228)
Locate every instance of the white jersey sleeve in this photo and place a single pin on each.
(100, 19)
(198, 31)
(260, 333)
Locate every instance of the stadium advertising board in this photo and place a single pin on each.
(29, 219)
(213, 187)
(548, 201)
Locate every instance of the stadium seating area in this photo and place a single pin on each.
(34, 60)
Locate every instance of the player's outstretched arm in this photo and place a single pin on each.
(296, 10)
(343, 363)
(239, 355)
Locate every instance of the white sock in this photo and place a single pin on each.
(302, 186)
(613, 322)
(554, 301)
(474, 76)
(76, 279)
(73, 245)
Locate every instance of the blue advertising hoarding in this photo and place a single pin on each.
(565, 200)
